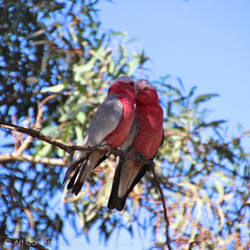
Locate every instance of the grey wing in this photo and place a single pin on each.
(132, 134)
(105, 120)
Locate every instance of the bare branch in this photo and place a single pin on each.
(164, 208)
(244, 134)
(40, 111)
(44, 160)
(31, 158)
(25, 144)
(67, 148)
(173, 133)
(36, 134)
(38, 124)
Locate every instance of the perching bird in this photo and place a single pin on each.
(110, 126)
(147, 142)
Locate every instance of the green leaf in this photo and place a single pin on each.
(91, 215)
(81, 117)
(199, 204)
(180, 82)
(221, 216)
(36, 33)
(212, 124)
(79, 135)
(118, 34)
(52, 131)
(220, 190)
(60, 152)
(204, 98)
(132, 40)
(44, 151)
(191, 92)
(99, 53)
(79, 69)
(133, 65)
(176, 90)
(216, 123)
(224, 152)
(54, 89)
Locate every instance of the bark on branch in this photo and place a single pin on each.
(31, 158)
(38, 135)
(164, 209)
(67, 148)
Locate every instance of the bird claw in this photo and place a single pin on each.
(141, 158)
(111, 150)
(122, 154)
(100, 148)
(105, 148)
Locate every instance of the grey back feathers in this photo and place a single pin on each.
(105, 120)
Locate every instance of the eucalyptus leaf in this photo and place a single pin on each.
(203, 98)
(54, 89)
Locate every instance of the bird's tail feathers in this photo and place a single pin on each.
(126, 177)
(80, 169)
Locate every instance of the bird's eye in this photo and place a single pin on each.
(146, 89)
(131, 84)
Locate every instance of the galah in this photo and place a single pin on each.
(110, 127)
(130, 170)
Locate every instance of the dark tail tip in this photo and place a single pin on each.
(117, 203)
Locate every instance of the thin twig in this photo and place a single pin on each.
(37, 126)
(31, 158)
(39, 115)
(24, 145)
(226, 144)
(164, 208)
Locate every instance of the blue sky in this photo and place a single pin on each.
(206, 43)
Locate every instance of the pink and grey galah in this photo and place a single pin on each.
(110, 126)
(149, 116)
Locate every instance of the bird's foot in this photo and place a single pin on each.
(140, 157)
(109, 150)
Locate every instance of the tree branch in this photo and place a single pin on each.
(36, 134)
(68, 148)
(39, 115)
(37, 126)
(164, 208)
(31, 158)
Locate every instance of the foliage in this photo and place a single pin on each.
(50, 47)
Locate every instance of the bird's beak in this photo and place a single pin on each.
(139, 85)
(136, 85)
